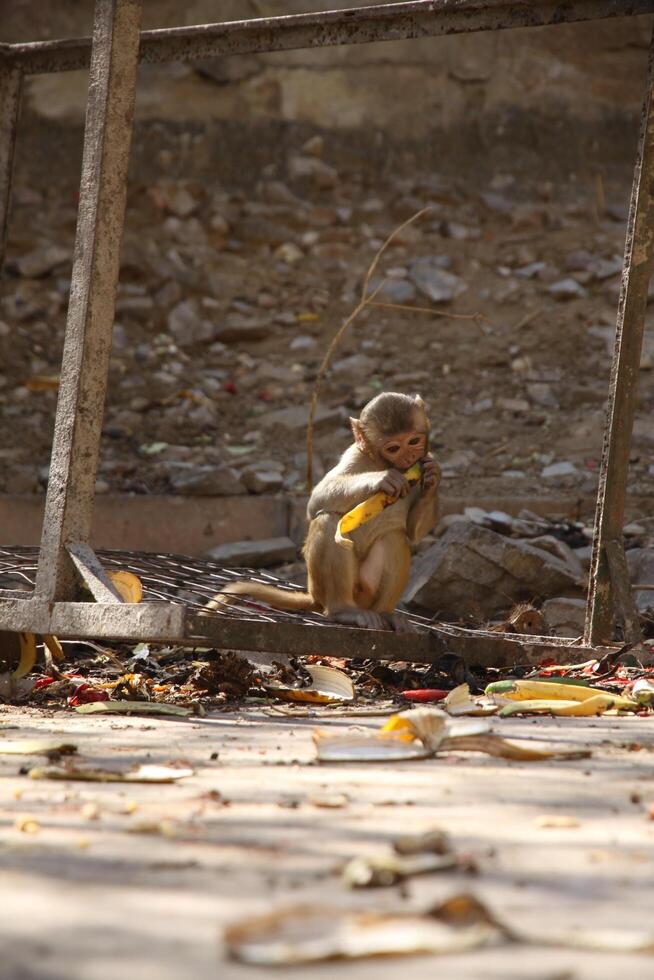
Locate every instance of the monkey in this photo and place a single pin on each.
(361, 586)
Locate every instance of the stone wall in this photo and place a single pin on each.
(544, 98)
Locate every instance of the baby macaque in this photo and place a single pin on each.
(361, 586)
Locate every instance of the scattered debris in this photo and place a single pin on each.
(314, 934)
(138, 774)
(328, 686)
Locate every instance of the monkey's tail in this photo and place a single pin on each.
(285, 599)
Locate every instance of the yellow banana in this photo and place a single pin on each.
(27, 655)
(370, 508)
(562, 709)
(529, 690)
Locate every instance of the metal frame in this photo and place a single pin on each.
(65, 557)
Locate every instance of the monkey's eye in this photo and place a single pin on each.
(415, 441)
(392, 449)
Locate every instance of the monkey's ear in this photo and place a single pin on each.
(419, 402)
(357, 432)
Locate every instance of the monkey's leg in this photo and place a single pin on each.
(333, 572)
(394, 577)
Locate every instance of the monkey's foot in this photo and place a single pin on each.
(399, 623)
(362, 618)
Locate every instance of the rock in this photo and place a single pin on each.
(547, 542)
(255, 554)
(472, 572)
(641, 570)
(434, 282)
(138, 307)
(542, 394)
(187, 326)
(40, 261)
(209, 481)
(22, 479)
(459, 232)
(314, 146)
(262, 480)
(567, 289)
(564, 468)
(565, 617)
(606, 268)
(516, 405)
(302, 342)
(179, 202)
(358, 367)
(584, 555)
(532, 271)
(311, 168)
(294, 420)
(236, 329)
(288, 252)
(393, 290)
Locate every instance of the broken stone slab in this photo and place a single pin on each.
(565, 617)
(554, 546)
(294, 420)
(473, 573)
(254, 554)
(435, 282)
(209, 481)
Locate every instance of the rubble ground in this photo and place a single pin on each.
(154, 873)
(229, 296)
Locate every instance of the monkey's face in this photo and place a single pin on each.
(405, 448)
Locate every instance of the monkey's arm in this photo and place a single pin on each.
(424, 512)
(345, 486)
(422, 516)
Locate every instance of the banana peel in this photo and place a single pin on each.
(368, 509)
(535, 690)
(595, 705)
(27, 655)
(128, 584)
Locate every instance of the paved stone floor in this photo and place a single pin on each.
(137, 881)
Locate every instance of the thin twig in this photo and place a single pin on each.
(426, 309)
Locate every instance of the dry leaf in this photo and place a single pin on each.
(132, 708)
(140, 774)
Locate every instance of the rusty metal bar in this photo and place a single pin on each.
(11, 84)
(614, 469)
(384, 22)
(87, 345)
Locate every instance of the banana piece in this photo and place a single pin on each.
(370, 508)
(595, 705)
(529, 690)
(27, 655)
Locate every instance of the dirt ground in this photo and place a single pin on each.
(139, 880)
(228, 299)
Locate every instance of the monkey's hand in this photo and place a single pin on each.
(393, 483)
(431, 475)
